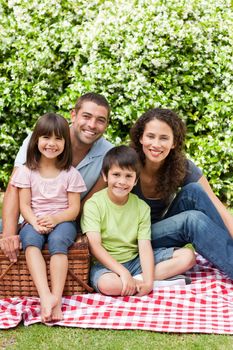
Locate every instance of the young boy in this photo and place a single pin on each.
(117, 224)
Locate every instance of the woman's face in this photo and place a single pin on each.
(157, 140)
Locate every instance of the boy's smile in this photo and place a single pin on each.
(120, 183)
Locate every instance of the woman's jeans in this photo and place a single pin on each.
(192, 218)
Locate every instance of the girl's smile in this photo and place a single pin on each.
(51, 146)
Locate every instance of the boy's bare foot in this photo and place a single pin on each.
(47, 304)
(57, 314)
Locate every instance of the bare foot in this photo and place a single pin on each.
(47, 304)
(57, 314)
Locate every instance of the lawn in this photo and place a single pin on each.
(40, 337)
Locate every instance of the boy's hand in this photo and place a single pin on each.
(143, 288)
(128, 284)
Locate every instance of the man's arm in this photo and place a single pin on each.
(10, 216)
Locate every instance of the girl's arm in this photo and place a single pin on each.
(148, 266)
(225, 214)
(101, 254)
(26, 210)
(69, 214)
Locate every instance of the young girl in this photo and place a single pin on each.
(195, 214)
(49, 198)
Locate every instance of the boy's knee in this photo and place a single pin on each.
(190, 258)
(187, 257)
(109, 284)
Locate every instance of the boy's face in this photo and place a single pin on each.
(120, 183)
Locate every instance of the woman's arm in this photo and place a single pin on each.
(101, 254)
(225, 214)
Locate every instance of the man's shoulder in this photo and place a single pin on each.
(101, 146)
(21, 155)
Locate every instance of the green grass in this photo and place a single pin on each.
(38, 337)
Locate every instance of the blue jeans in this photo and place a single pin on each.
(59, 239)
(133, 266)
(192, 218)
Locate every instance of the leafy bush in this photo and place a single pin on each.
(139, 54)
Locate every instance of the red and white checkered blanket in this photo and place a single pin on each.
(205, 306)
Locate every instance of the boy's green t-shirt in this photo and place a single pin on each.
(120, 226)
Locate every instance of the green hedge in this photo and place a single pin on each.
(139, 54)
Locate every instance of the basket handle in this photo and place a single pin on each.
(78, 279)
(7, 269)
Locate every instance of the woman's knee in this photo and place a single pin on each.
(192, 187)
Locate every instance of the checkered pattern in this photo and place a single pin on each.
(205, 306)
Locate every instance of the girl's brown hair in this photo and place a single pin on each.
(173, 171)
(48, 124)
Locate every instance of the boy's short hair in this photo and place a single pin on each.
(122, 156)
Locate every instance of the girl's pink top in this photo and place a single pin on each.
(48, 195)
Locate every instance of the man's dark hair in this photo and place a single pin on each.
(98, 99)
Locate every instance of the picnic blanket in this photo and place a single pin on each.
(205, 306)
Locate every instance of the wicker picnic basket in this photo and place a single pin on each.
(16, 281)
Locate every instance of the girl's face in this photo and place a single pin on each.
(51, 146)
(157, 140)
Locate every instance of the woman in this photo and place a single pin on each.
(184, 208)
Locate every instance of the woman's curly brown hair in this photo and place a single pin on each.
(173, 171)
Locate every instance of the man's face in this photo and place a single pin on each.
(90, 122)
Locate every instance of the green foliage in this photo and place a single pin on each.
(139, 54)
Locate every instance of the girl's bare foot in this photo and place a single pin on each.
(47, 304)
(57, 314)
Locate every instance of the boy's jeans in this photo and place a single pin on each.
(192, 218)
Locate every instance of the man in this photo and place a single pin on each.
(89, 120)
